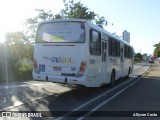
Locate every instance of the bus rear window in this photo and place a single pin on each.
(61, 32)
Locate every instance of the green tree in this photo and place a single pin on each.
(157, 50)
(79, 11)
(144, 56)
(17, 50)
(19, 45)
(138, 57)
(71, 10)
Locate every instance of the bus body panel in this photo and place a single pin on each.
(55, 59)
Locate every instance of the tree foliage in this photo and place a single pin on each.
(138, 57)
(71, 9)
(19, 46)
(15, 52)
(157, 50)
(77, 10)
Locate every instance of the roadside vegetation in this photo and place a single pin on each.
(138, 57)
(157, 50)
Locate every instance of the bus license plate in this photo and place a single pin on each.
(57, 68)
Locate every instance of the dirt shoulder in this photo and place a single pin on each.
(154, 71)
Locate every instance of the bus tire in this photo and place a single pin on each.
(129, 71)
(112, 80)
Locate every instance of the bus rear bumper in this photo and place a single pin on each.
(61, 79)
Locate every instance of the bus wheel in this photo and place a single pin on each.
(129, 71)
(112, 80)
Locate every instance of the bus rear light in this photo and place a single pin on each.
(35, 63)
(82, 68)
(35, 66)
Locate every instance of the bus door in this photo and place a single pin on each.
(104, 61)
(122, 61)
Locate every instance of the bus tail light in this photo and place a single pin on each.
(35, 65)
(82, 68)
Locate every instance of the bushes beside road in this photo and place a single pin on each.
(138, 57)
(15, 53)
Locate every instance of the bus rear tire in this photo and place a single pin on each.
(129, 71)
(112, 80)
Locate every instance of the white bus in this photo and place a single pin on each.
(78, 52)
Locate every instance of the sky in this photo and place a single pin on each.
(139, 17)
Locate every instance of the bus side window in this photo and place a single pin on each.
(95, 43)
(114, 47)
(127, 51)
